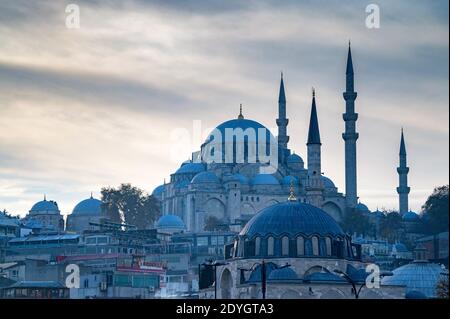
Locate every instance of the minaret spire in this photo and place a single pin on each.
(240, 116)
(403, 170)
(350, 135)
(282, 121)
(313, 134)
(314, 188)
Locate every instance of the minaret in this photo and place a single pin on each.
(282, 121)
(402, 170)
(350, 136)
(314, 188)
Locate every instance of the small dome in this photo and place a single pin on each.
(400, 248)
(158, 191)
(240, 178)
(327, 183)
(291, 218)
(44, 207)
(324, 276)
(265, 179)
(420, 276)
(287, 180)
(170, 222)
(190, 168)
(205, 177)
(182, 184)
(88, 207)
(281, 274)
(294, 159)
(362, 207)
(410, 216)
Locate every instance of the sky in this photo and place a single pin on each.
(99, 105)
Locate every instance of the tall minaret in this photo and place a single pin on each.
(350, 136)
(282, 121)
(314, 188)
(402, 170)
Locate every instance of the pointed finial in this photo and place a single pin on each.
(291, 197)
(240, 116)
(91, 195)
(164, 181)
(313, 92)
(281, 74)
(45, 197)
(349, 43)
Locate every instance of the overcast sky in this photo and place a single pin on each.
(97, 106)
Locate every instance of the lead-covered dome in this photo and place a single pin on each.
(44, 207)
(190, 168)
(205, 177)
(292, 218)
(265, 179)
(244, 136)
(170, 222)
(88, 207)
(411, 217)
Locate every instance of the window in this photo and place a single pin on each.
(257, 246)
(270, 246)
(300, 246)
(308, 248)
(285, 246)
(202, 241)
(315, 246)
(328, 244)
(322, 247)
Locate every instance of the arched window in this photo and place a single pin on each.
(328, 245)
(257, 246)
(270, 246)
(322, 247)
(308, 247)
(300, 246)
(285, 246)
(315, 246)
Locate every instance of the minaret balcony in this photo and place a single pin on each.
(402, 170)
(350, 136)
(403, 190)
(350, 96)
(350, 116)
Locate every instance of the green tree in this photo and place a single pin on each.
(212, 223)
(435, 211)
(391, 226)
(131, 205)
(442, 288)
(356, 222)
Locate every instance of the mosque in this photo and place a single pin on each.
(233, 191)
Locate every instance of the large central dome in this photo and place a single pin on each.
(243, 137)
(292, 219)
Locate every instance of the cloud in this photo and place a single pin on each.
(96, 106)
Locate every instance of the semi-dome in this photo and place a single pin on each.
(265, 179)
(205, 177)
(420, 276)
(239, 178)
(88, 207)
(362, 207)
(410, 216)
(327, 182)
(291, 218)
(294, 159)
(282, 274)
(170, 222)
(158, 191)
(287, 180)
(190, 168)
(44, 207)
(182, 184)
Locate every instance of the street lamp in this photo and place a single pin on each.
(354, 282)
(263, 275)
